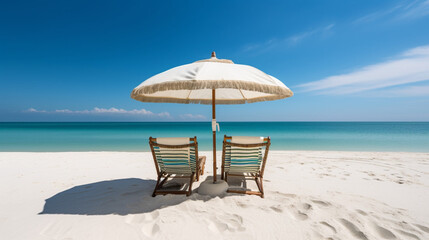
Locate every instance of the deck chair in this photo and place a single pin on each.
(245, 157)
(176, 158)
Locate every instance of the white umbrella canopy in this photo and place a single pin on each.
(211, 81)
(193, 83)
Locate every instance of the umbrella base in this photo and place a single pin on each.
(213, 189)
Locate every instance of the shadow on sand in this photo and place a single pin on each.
(119, 196)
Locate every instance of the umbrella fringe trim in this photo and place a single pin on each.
(208, 84)
(144, 98)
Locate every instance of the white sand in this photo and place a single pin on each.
(308, 195)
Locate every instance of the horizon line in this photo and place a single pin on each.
(333, 121)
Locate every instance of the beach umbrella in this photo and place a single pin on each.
(211, 81)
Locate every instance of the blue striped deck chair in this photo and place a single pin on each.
(246, 157)
(176, 158)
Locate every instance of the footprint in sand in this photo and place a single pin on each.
(235, 222)
(216, 226)
(150, 230)
(227, 222)
(299, 213)
(148, 221)
(353, 229)
(153, 216)
(277, 208)
(321, 203)
(286, 195)
(306, 206)
(327, 229)
(361, 212)
(141, 218)
(383, 232)
(242, 205)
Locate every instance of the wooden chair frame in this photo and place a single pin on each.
(163, 176)
(258, 177)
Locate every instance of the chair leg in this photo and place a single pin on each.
(164, 180)
(201, 165)
(190, 185)
(156, 186)
(260, 186)
(159, 183)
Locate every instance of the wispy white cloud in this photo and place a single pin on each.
(378, 14)
(418, 51)
(406, 91)
(410, 67)
(400, 11)
(97, 110)
(34, 110)
(301, 36)
(415, 9)
(292, 40)
(192, 117)
(262, 45)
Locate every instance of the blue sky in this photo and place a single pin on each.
(344, 60)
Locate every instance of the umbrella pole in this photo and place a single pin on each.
(214, 133)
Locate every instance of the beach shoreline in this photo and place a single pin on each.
(308, 195)
(129, 137)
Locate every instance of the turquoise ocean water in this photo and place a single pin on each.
(346, 136)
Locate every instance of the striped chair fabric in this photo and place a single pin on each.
(242, 159)
(176, 160)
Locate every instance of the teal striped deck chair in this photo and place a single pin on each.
(176, 158)
(245, 157)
